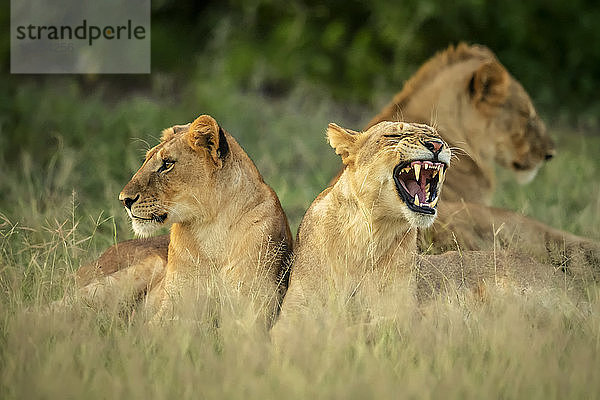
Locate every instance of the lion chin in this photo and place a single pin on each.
(525, 177)
(418, 220)
(144, 229)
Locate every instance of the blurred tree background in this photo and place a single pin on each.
(357, 49)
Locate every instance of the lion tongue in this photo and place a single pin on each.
(414, 188)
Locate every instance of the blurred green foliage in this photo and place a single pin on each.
(360, 50)
(364, 50)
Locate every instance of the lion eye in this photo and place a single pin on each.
(166, 166)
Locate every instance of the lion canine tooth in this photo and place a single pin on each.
(442, 175)
(417, 200)
(434, 202)
(417, 168)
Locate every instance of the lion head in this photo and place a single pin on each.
(174, 183)
(521, 141)
(394, 167)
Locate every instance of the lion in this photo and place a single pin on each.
(362, 231)
(487, 118)
(225, 222)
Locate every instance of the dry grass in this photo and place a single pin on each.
(509, 346)
(455, 346)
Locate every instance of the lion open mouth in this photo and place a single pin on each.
(153, 217)
(419, 183)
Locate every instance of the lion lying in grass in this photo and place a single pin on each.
(362, 231)
(485, 114)
(225, 222)
(475, 273)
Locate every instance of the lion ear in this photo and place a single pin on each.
(205, 134)
(488, 86)
(343, 141)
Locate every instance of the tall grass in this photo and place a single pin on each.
(65, 165)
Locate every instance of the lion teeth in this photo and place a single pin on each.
(442, 175)
(435, 172)
(434, 202)
(417, 168)
(417, 203)
(425, 165)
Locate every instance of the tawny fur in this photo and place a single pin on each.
(359, 233)
(481, 273)
(471, 226)
(123, 255)
(226, 223)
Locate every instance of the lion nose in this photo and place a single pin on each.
(549, 155)
(128, 201)
(434, 146)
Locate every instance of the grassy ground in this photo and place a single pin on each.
(65, 156)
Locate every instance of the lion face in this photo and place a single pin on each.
(398, 168)
(526, 145)
(176, 178)
(520, 138)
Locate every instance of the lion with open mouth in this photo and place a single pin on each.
(363, 230)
